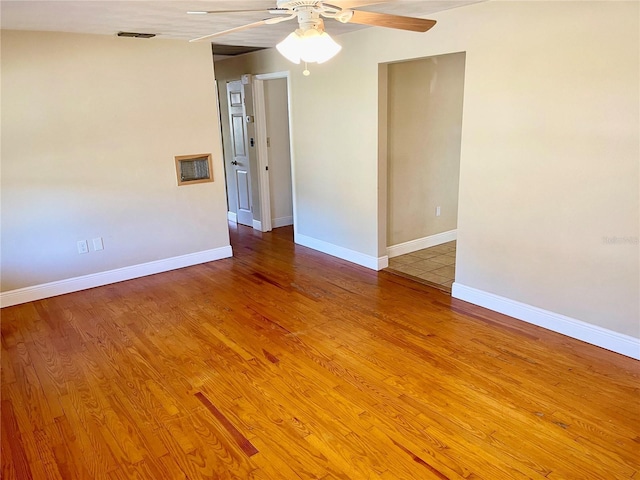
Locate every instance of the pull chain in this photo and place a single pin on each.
(306, 71)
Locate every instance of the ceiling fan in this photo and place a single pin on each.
(310, 43)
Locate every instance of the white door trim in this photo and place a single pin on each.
(259, 111)
(262, 151)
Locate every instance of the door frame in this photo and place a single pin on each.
(262, 151)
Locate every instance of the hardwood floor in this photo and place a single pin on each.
(284, 363)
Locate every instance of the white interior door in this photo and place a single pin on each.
(240, 153)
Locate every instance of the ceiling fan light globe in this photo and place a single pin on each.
(290, 47)
(310, 46)
(320, 48)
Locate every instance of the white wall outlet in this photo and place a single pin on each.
(83, 246)
(437, 211)
(97, 244)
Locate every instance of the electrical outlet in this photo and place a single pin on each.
(437, 211)
(83, 246)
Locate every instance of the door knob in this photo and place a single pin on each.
(234, 163)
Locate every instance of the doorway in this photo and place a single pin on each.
(422, 138)
(274, 150)
(258, 155)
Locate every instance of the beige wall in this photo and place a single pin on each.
(90, 128)
(424, 134)
(549, 156)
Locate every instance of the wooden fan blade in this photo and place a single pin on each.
(391, 21)
(231, 30)
(206, 12)
(274, 11)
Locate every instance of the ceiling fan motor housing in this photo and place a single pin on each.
(292, 4)
(309, 12)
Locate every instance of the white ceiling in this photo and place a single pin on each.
(168, 19)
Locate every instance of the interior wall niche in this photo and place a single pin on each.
(192, 169)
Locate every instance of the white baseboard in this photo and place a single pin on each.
(281, 222)
(374, 263)
(593, 334)
(420, 243)
(257, 224)
(232, 217)
(69, 285)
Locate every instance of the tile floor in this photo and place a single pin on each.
(435, 266)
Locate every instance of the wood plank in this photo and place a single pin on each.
(245, 445)
(14, 459)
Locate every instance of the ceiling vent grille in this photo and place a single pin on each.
(136, 35)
